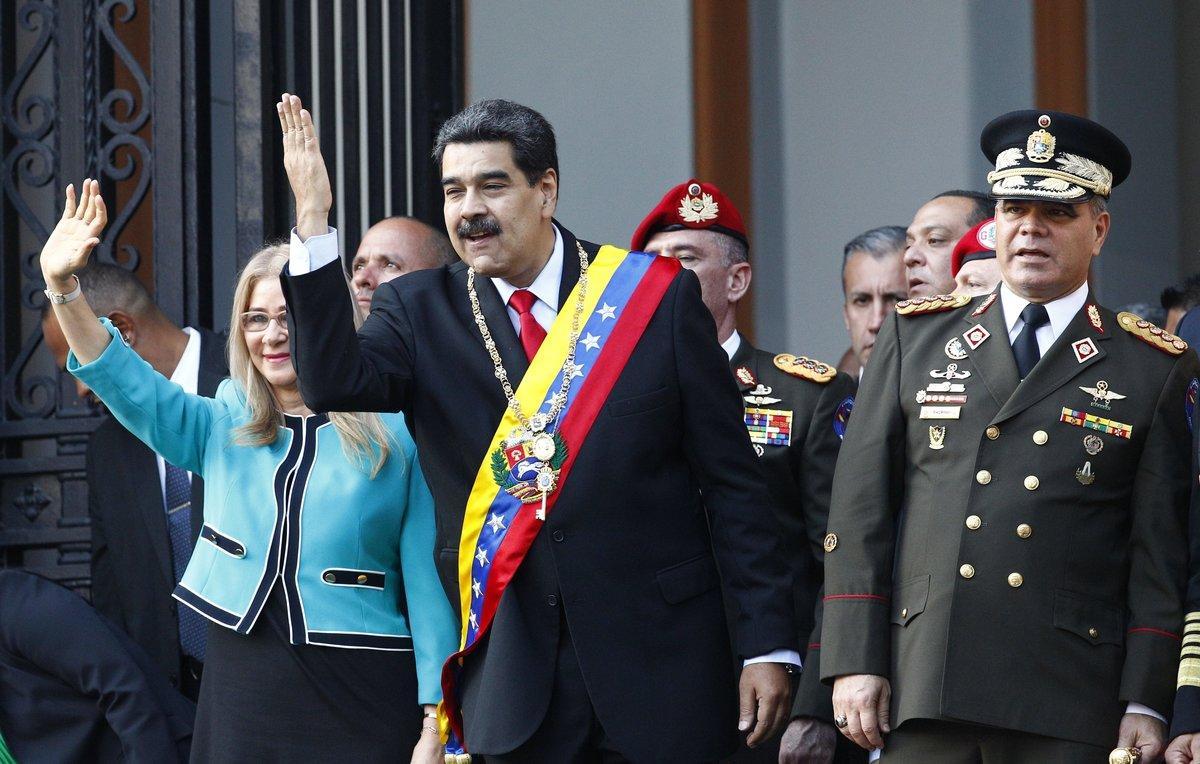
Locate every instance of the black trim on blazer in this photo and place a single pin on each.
(370, 641)
(204, 607)
(367, 579)
(229, 546)
(294, 502)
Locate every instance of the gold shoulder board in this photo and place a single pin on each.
(935, 304)
(1150, 334)
(805, 368)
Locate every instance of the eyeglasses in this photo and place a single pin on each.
(255, 321)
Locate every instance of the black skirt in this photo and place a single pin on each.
(263, 699)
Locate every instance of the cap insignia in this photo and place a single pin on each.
(987, 235)
(1044, 120)
(805, 368)
(1040, 146)
(697, 207)
(935, 304)
(1151, 334)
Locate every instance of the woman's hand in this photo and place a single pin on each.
(305, 167)
(71, 242)
(429, 748)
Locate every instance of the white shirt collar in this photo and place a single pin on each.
(545, 287)
(187, 371)
(731, 345)
(1061, 311)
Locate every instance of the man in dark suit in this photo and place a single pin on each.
(1007, 536)
(795, 409)
(140, 545)
(615, 613)
(74, 688)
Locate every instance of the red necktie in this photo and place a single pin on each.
(532, 332)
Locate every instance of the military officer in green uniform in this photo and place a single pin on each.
(796, 407)
(1007, 538)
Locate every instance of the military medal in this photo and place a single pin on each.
(1101, 395)
(526, 464)
(951, 372)
(1093, 444)
(1093, 422)
(760, 396)
(937, 436)
(1084, 349)
(954, 349)
(976, 335)
(924, 396)
(1084, 474)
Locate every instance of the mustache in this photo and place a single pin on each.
(478, 227)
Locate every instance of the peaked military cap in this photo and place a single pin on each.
(1052, 156)
(695, 205)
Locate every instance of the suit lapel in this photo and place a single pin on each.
(994, 359)
(512, 354)
(1060, 363)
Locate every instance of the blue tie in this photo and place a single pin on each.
(192, 629)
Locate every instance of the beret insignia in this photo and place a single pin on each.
(805, 368)
(935, 304)
(1151, 334)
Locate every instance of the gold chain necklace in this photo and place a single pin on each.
(538, 450)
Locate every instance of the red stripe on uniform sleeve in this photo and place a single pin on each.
(1159, 632)
(874, 597)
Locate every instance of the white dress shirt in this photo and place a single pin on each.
(731, 345)
(187, 376)
(1061, 312)
(316, 251)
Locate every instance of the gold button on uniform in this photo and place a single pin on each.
(904, 613)
(330, 578)
(974, 522)
(1024, 530)
(1015, 580)
(967, 571)
(831, 541)
(992, 432)
(1093, 633)
(362, 578)
(983, 477)
(1040, 437)
(1031, 482)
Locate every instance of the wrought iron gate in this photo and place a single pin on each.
(169, 104)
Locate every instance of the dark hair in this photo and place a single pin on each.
(983, 207)
(110, 287)
(877, 242)
(527, 132)
(1185, 294)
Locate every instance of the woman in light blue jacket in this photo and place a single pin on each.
(316, 555)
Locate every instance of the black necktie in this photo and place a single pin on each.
(1025, 349)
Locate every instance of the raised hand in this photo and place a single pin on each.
(305, 167)
(71, 242)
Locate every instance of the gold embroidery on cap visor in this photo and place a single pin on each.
(1074, 177)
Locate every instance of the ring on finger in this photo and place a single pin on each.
(841, 722)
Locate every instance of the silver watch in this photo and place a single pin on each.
(58, 298)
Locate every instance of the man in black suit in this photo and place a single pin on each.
(615, 613)
(73, 687)
(136, 559)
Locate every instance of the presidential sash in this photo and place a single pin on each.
(502, 514)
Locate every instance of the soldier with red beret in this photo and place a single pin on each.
(973, 261)
(796, 410)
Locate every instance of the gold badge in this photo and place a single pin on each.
(831, 541)
(697, 207)
(983, 306)
(1093, 314)
(937, 436)
(1040, 146)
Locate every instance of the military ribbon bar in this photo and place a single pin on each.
(624, 290)
(1093, 422)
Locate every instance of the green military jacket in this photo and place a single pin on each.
(1013, 552)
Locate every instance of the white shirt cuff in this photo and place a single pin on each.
(1138, 708)
(316, 251)
(778, 656)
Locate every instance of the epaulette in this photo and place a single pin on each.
(805, 368)
(1150, 334)
(935, 304)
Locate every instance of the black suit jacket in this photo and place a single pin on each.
(627, 557)
(132, 579)
(74, 688)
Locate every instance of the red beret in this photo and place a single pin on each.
(696, 205)
(977, 244)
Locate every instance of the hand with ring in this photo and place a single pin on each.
(841, 722)
(862, 707)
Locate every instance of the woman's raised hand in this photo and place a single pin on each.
(71, 242)
(305, 167)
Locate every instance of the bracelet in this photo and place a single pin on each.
(427, 728)
(431, 714)
(59, 298)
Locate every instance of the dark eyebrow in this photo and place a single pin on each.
(486, 175)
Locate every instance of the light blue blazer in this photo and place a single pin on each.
(355, 556)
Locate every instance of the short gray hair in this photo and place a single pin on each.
(878, 243)
(527, 132)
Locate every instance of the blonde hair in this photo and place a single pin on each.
(364, 437)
